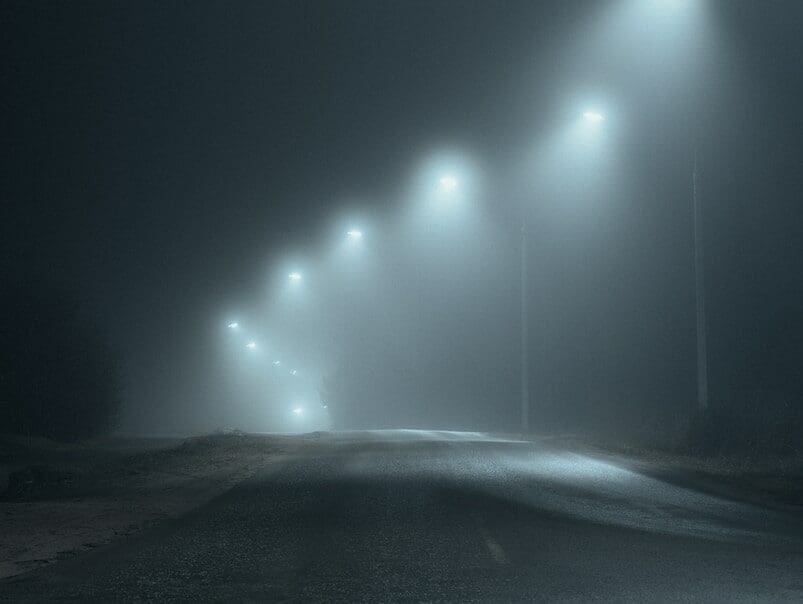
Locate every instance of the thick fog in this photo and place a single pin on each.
(400, 304)
(304, 217)
(411, 317)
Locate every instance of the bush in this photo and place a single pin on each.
(758, 422)
(58, 375)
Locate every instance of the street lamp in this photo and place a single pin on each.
(295, 276)
(251, 345)
(354, 234)
(234, 325)
(593, 117)
(447, 183)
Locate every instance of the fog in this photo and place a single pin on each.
(300, 218)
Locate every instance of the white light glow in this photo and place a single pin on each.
(298, 411)
(593, 116)
(295, 276)
(234, 325)
(251, 345)
(354, 234)
(448, 183)
(277, 363)
(294, 372)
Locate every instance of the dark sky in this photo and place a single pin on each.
(155, 155)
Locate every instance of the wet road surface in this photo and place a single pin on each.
(442, 516)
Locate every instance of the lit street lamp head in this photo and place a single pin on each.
(234, 325)
(251, 345)
(447, 183)
(354, 234)
(295, 276)
(298, 411)
(593, 117)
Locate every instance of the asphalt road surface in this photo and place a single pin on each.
(438, 516)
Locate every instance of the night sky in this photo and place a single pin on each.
(157, 156)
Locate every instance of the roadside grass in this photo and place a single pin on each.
(761, 477)
(57, 500)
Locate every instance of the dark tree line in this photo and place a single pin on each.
(59, 377)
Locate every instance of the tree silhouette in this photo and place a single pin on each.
(59, 377)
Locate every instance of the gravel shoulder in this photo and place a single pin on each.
(57, 501)
(760, 479)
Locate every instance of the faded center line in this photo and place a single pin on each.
(497, 553)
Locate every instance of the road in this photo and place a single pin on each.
(441, 516)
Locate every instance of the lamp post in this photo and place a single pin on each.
(525, 368)
(699, 295)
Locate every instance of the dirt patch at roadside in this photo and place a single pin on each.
(58, 502)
